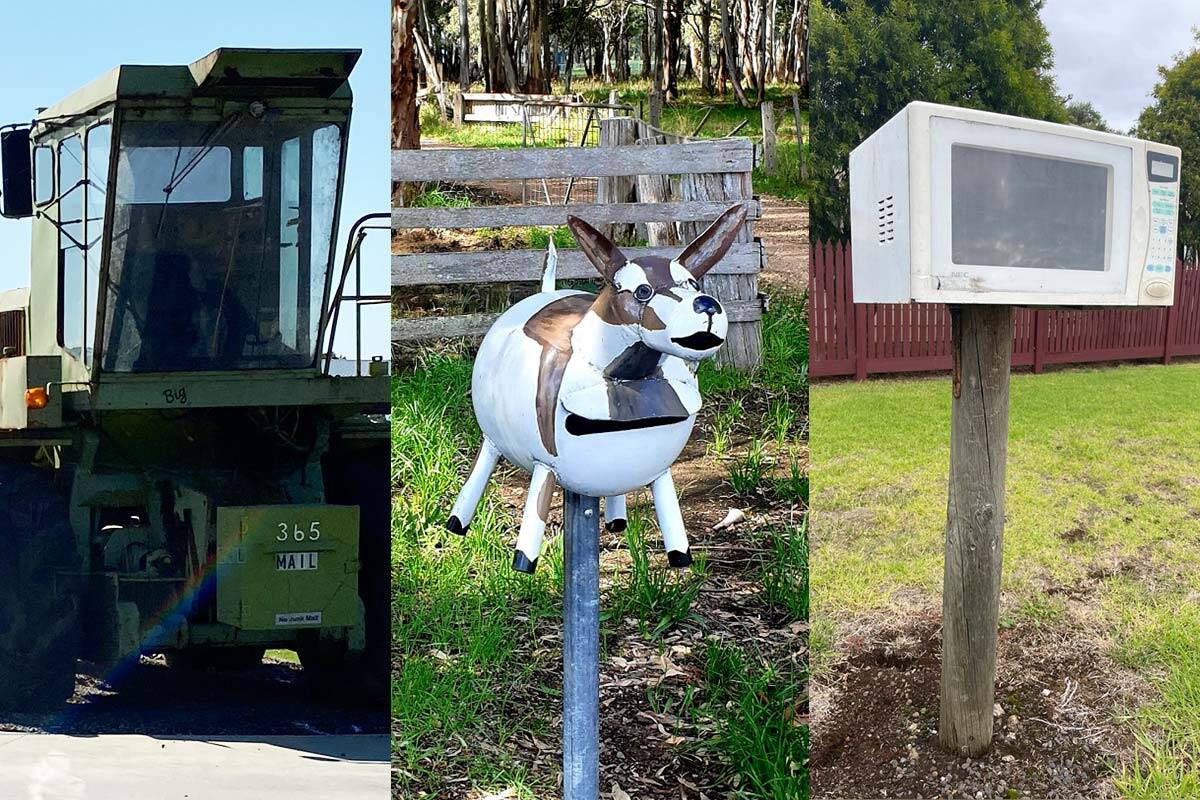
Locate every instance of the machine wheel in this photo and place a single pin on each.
(217, 659)
(39, 630)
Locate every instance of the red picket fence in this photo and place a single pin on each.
(859, 339)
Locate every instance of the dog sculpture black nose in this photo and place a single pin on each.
(703, 304)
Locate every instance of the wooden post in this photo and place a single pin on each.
(770, 162)
(614, 97)
(460, 108)
(982, 343)
(654, 117)
(799, 137)
(617, 132)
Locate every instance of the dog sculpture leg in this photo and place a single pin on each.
(614, 513)
(472, 491)
(533, 520)
(670, 520)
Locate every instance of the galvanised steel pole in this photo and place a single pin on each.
(581, 648)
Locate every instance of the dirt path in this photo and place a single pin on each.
(784, 233)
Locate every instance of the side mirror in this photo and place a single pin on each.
(16, 181)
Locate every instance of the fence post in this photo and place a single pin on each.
(654, 117)
(1041, 339)
(1173, 316)
(460, 108)
(770, 151)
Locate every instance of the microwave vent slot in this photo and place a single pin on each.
(886, 228)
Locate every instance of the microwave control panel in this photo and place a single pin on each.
(1162, 170)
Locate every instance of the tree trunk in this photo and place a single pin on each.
(706, 77)
(536, 80)
(495, 79)
(672, 26)
(647, 54)
(506, 58)
(464, 45)
(406, 130)
(730, 55)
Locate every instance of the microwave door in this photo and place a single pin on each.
(1024, 211)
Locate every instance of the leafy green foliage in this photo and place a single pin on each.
(1174, 118)
(1085, 115)
(870, 58)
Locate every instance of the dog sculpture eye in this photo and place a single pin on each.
(692, 283)
(643, 293)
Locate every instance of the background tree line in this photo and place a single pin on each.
(870, 58)
(535, 46)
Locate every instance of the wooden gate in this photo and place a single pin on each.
(726, 157)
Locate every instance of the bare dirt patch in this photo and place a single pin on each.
(784, 232)
(1055, 736)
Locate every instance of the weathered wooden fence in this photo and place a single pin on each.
(859, 339)
(718, 174)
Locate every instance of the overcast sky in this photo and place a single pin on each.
(1108, 51)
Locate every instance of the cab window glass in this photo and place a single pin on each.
(43, 175)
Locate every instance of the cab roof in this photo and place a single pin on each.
(225, 72)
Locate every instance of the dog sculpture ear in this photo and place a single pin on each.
(711, 246)
(607, 257)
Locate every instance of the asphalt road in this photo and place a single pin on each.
(126, 766)
(153, 731)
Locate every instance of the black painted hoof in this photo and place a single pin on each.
(455, 526)
(679, 558)
(616, 526)
(521, 563)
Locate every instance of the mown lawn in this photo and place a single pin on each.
(476, 646)
(1103, 480)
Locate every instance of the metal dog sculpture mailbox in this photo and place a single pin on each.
(597, 393)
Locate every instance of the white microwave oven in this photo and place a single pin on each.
(954, 205)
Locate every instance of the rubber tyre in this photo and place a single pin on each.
(39, 628)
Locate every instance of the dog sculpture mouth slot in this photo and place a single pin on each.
(582, 426)
(702, 340)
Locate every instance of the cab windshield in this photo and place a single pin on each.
(221, 244)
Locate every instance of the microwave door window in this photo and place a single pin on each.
(1017, 210)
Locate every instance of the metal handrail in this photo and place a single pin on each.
(353, 257)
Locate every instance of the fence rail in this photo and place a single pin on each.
(860, 339)
(717, 175)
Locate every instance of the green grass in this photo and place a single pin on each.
(1109, 453)
(459, 612)
(657, 595)
(785, 572)
(754, 706)
(1160, 637)
(1102, 469)
(458, 609)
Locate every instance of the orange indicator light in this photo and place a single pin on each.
(37, 397)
